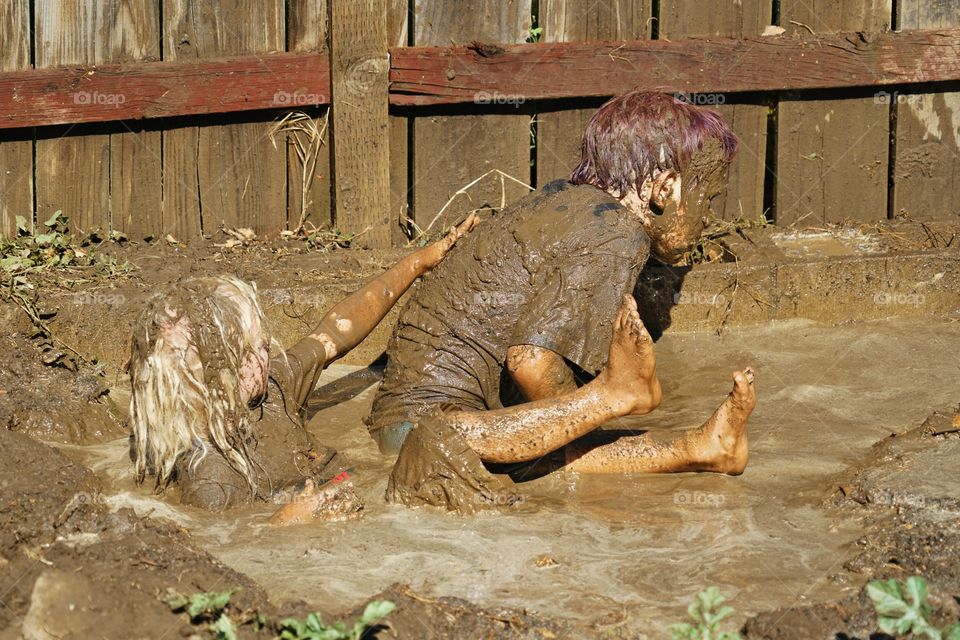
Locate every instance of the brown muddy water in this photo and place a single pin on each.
(625, 552)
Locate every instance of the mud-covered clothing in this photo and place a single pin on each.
(280, 449)
(549, 271)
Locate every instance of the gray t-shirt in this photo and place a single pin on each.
(548, 271)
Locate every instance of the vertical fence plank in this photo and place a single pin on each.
(361, 135)
(927, 165)
(229, 174)
(307, 31)
(16, 148)
(73, 165)
(559, 130)
(691, 18)
(397, 14)
(136, 198)
(832, 159)
(451, 151)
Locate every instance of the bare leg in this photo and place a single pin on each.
(353, 318)
(719, 445)
(627, 385)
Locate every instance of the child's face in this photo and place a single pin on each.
(679, 204)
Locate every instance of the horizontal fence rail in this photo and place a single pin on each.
(103, 93)
(482, 74)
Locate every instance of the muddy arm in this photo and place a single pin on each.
(539, 373)
(354, 317)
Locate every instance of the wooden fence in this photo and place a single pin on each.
(158, 116)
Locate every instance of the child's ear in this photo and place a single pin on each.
(663, 190)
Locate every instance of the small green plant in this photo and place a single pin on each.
(534, 34)
(903, 608)
(707, 611)
(208, 609)
(313, 628)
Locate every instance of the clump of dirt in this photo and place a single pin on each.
(912, 529)
(52, 403)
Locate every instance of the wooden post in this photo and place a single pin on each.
(832, 158)
(307, 22)
(16, 148)
(927, 161)
(559, 130)
(692, 18)
(229, 174)
(451, 151)
(361, 136)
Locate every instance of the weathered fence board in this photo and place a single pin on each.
(832, 156)
(452, 151)
(927, 161)
(229, 174)
(361, 135)
(691, 18)
(16, 148)
(455, 75)
(307, 33)
(559, 130)
(73, 171)
(162, 89)
(136, 197)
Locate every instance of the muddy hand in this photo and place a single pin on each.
(433, 254)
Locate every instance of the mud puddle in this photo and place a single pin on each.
(618, 552)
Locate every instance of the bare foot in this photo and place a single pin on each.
(433, 254)
(723, 444)
(631, 372)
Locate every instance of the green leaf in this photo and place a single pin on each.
(52, 222)
(952, 633)
(376, 610)
(224, 628)
(22, 225)
(917, 590)
(886, 596)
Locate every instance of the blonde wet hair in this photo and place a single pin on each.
(190, 349)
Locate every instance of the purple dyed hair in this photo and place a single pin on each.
(634, 135)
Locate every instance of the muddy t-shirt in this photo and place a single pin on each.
(548, 271)
(282, 450)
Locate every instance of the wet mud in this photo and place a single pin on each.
(906, 492)
(594, 557)
(436, 467)
(81, 410)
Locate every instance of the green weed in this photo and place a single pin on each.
(903, 608)
(313, 628)
(707, 612)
